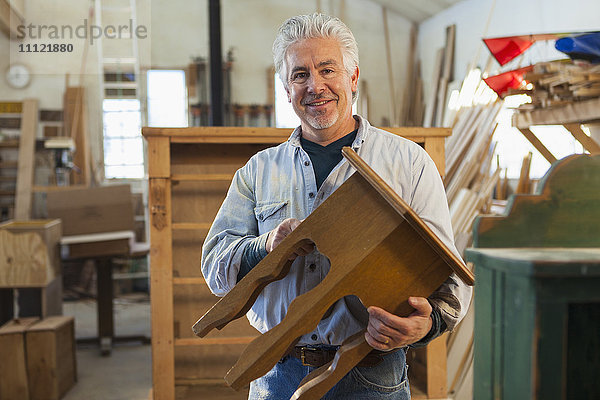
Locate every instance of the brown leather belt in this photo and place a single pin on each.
(317, 357)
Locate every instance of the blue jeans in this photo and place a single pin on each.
(387, 380)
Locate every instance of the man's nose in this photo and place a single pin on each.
(316, 83)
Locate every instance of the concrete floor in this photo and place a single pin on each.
(127, 373)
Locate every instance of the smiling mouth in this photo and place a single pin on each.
(319, 103)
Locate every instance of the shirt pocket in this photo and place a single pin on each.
(270, 214)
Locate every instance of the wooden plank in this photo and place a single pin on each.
(574, 112)
(524, 184)
(418, 133)
(539, 146)
(431, 105)
(75, 126)
(436, 368)
(587, 142)
(218, 131)
(393, 109)
(159, 157)
(434, 146)
(202, 177)
(408, 99)
(10, 19)
(26, 160)
(161, 288)
(213, 341)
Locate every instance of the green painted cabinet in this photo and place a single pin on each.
(537, 293)
(537, 323)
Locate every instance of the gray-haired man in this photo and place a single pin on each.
(317, 59)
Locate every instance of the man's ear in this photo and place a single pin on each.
(354, 79)
(289, 95)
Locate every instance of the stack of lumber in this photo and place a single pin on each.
(561, 82)
(469, 154)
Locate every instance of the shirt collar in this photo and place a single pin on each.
(361, 135)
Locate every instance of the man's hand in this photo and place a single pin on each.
(387, 331)
(277, 235)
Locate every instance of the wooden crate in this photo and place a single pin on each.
(50, 230)
(190, 170)
(13, 361)
(39, 282)
(51, 363)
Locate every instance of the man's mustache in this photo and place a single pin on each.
(312, 98)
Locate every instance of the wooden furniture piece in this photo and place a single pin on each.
(537, 303)
(103, 249)
(30, 265)
(570, 116)
(190, 170)
(380, 250)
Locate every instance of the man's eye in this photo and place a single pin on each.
(327, 71)
(299, 76)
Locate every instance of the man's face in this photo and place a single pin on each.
(319, 87)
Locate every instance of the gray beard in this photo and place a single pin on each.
(322, 121)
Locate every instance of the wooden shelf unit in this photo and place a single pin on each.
(570, 116)
(190, 170)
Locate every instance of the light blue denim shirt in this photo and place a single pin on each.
(279, 183)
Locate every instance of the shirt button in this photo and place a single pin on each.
(312, 267)
(306, 163)
(314, 337)
(311, 195)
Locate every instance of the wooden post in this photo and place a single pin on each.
(161, 273)
(539, 146)
(587, 142)
(29, 119)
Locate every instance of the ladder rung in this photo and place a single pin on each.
(202, 177)
(191, 225)
(118, 61)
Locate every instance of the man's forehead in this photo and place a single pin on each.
(314, 51)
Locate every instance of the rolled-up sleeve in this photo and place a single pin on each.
(234, 226)
(429, 201)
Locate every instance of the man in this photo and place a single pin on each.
(317, 59)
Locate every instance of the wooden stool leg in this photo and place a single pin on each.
(239, 300)
(317, 383)
(303, 315)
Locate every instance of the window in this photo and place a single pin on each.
(123, 147)
(167, 98)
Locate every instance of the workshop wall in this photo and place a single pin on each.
(178, 31)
